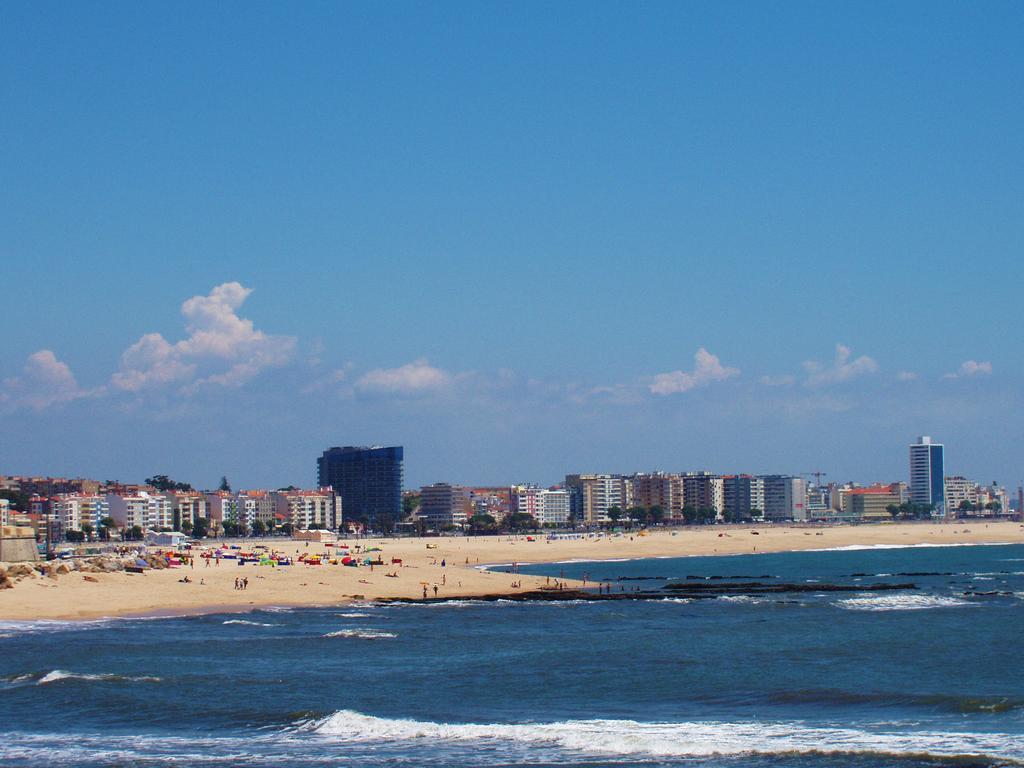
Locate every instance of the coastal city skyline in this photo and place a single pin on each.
(363, 488)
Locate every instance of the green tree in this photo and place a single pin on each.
(164, 483)
(286, 528)
(107, 524)
(259, 528)
(614, 515)
(656, 514)
(133, 534)
(482, 522)
(87, 530)
(689, 514)
(200, 528)
(19, 499)
(224, 484)
(410, 502)
(522, 521)
(187, 526)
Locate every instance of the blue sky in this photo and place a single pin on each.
(519, 239)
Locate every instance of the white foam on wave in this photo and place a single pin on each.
(362, 634)
(740, 599)
(354, 615)
(58, 675)
(250, 623)
(858, 547)
(902, 603)
(688, 739)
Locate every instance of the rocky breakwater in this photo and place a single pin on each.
(12, 574)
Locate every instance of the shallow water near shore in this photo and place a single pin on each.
(922, 677)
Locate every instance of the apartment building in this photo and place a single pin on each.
(871, 504)
(785, 497)
(187, 507)
(704, 490)
(659, 489)
(546, 505)
(148, 511)
(71, 511)
(443, 504)
(308, 510)
(743, 496)
(593, 495)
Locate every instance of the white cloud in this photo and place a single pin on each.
(971, 368)
(45, 381)
(842, 368)
(217, 337)
(906, 376)
(418, 376)
(778, 381)
(707, 368)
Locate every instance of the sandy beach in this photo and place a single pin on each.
(159, 592)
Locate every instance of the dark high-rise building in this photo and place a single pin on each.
(927, 475)
(368, 480)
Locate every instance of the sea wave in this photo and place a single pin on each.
(926, 545)
(902, 603)
(250, 623)
(59, 675)
(362, 634)
(685, 739)
(353, 615)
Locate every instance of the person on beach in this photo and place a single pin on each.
(424, 591)
(435, 590)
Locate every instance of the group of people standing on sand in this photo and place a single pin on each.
(242, 583)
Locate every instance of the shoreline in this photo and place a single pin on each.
(465, 572)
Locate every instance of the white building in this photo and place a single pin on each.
(145, 510)
(307, 510)
(546, 506)
(960, 491)
(593, 495)
(5, 511)
(70, 511)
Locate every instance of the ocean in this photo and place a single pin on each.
(924, 677)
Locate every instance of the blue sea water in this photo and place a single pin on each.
(923, 677)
